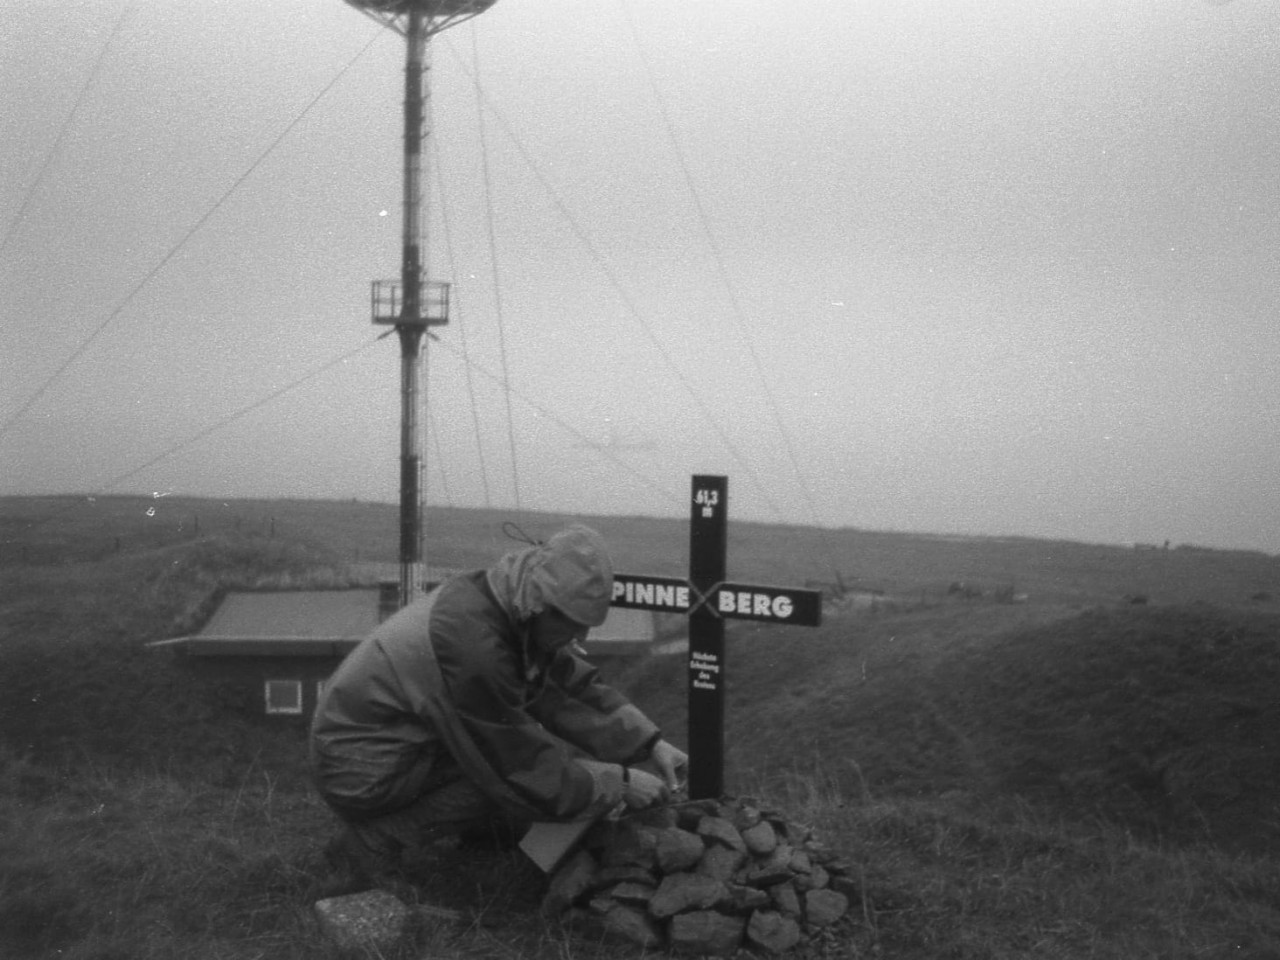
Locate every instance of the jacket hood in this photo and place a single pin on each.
(572, 572)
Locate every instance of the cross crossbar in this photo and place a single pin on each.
(708, 600)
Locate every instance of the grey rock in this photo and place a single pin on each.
(371, 921)
(745, 817)
(720, 862)
(677, 850)
(766, 875)
(636, 894)
(785, 898)
(800, 862)
(798, 832)
(772, 932)
(838, 866)
(570, 881)
(659, 818)
(781, 856)
(630, 925)
(689, 815)
(728, 809)
(722, 831)
(630, 845)
(743, 900)
(610, 876)
(706, 932)
(686, 891)
(761, 840)
(822, 907)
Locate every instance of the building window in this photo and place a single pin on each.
(284, 696)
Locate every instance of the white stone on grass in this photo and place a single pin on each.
(374, 920)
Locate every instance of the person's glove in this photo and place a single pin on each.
(669, 759)
(642, 789)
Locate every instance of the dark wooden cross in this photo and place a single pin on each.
(708, 599)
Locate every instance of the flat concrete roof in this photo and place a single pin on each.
(328, 614)
(304, 623)
(329, 623)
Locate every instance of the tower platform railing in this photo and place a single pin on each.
(387, 304)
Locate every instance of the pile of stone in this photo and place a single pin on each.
(702, 877)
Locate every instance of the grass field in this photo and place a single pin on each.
(1070, 775)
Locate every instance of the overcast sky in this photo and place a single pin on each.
(955, 267)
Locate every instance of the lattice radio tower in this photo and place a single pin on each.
(413, 302)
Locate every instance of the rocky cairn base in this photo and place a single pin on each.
(702, 877)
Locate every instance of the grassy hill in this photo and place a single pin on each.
(1073, 774)
(1165, 720)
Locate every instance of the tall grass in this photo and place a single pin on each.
(960, 876)
(156, 865)
(152, 865)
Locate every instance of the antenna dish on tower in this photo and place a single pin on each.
(437, 14)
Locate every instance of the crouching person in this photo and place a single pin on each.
(470, 709)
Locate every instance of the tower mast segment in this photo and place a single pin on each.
(414, 302)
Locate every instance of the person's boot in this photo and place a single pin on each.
(365, 853)
(491, 834)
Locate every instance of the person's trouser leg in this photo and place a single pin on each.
(443, 809)
(446, 805)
